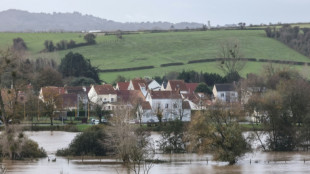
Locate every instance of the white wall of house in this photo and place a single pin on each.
(100, 99)
(171, 108)
(147, 116)
(154, 86)
(225, 96)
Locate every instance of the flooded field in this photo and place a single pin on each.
(254, 163)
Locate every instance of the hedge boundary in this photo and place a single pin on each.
(127, 69)
(287, 62)
(171, 64)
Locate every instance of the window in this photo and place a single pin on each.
(112, 99)
(175, 105)
(233, 94)
(222, 95)
(104, 99)
(166, 106)
(109, 107)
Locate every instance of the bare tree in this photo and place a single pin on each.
(231, 53)
(131, 145)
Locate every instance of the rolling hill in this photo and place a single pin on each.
(154, 49)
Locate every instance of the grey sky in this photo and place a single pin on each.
(217, 11)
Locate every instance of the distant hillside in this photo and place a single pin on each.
(23, 21)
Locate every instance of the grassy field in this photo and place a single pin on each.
(157, 48)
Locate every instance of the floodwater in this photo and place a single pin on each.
(253, 163)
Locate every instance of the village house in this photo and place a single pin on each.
(197, 101)
(138, 84)
(225, 93)
(122, 86)
(169, 104)
(103, 95)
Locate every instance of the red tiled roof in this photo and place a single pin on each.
(165, 95)
(135, 83)
(104, 89)
(122, 85)
(177, 85)
(66, 100)
(129, 96)
(191, 87)
(76, 89)
(146, 105)
(51, 91)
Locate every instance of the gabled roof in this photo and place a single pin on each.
(191, 87)
(135, 83)
(122, 85)
(186, 105)
(104, 89)
(129, 96)
(146, 105)
(177, 85)
(51, 91)
(67, 101)
(76, 89)
(198, 100)
(225, 87)
(165, 95)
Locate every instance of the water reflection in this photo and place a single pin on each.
(254, 163)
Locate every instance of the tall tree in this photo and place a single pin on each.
(218, 131)
(230, 51)
(74, 64)
(90, 38)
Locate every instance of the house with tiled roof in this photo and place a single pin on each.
(49, 92)
(197, 101)
(122, 86)
(169, 104)
(176, 85)
(67, 101)
(138, 84)
(191, 87)
(154, 85)
(102, 94)
(225, 93)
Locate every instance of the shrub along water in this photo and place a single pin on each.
(90, 142)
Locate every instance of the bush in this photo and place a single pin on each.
(30, 149)
(90, 142)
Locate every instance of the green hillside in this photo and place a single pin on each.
(146, 49)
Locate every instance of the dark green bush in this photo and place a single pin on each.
(90, 142)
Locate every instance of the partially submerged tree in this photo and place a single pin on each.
(217, 130)
(131, 145)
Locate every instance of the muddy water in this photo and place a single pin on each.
(253, 163)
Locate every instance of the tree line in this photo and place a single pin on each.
(49, 46)
(294, 37)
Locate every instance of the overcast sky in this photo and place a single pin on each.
(217, 11)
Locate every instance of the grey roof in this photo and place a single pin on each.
(225, 87)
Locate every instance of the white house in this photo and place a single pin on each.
(169, 104)
(154, 85)
(225, 93)
(102, 94)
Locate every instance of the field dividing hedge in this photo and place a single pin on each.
(127, 69)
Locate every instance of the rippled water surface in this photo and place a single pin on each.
(251, 163)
